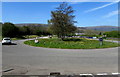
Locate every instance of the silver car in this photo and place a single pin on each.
(6, 40)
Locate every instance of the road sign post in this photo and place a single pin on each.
(101, 41)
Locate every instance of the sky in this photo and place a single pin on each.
(86, 13)
(59, 0)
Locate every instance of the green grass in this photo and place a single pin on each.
(31, 36)
(71, 44)
(25, 37)
(17, 38)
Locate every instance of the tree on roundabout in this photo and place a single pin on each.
(62, 21)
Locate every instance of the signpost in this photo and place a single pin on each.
(101, 41)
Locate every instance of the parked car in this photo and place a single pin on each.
(6, 40)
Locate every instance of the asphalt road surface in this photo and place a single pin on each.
(28, 60)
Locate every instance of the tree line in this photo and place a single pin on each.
(113, 34)
(11, 30)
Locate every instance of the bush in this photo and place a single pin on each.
(71, 39)
(91, 35)
(9, 30)
(115, 34)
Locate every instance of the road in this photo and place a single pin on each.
(28, 60)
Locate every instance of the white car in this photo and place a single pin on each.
(6, 40)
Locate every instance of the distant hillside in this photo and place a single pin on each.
(103, 28)
(94, 28)
(30, 24)
(100, 28)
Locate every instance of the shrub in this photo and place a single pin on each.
(71, 39)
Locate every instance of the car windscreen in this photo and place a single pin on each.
(6, 39)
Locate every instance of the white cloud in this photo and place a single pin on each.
(116, 12)
(94, 9)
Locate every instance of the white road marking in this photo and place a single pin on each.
(86, 74)
(115, 73)
(102, 74)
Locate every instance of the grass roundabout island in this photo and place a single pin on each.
(71, 43)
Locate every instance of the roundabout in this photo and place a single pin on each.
(71, 43)
(42, 61)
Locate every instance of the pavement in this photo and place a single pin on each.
(28, 60)
(113, 41)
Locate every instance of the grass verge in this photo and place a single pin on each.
(25, 37)
(71, 44)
